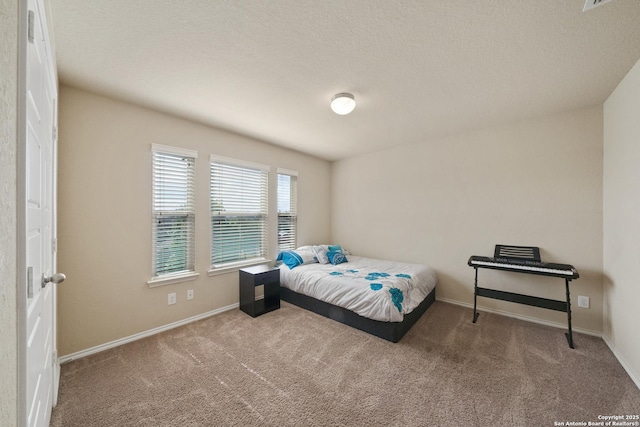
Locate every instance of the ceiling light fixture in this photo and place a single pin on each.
(343, 103)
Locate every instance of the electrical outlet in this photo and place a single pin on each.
(171, 298)
(583, 301)
(190, 294)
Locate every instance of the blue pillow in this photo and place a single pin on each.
(290, 259)
(295, 258)
(335, 248)
(336, 258)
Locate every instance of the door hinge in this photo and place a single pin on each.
(30, 282)
(31, 20)
(54, 133)
(54, 245)
(54, 359)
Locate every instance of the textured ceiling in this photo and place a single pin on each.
(418, 69)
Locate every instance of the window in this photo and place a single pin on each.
(173, 211)
(238, 212)
(287, 218)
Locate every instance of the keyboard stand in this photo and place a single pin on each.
(550, 304)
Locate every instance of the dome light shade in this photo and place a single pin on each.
(343, 103)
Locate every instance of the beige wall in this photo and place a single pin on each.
(104, 211)
(622, 221)
(537, 182)
(8, 213)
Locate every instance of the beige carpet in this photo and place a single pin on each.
(292, 367)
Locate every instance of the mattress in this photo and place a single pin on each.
(376, 289)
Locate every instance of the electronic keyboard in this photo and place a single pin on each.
(523, 259)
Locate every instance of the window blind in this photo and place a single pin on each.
(173, 211)
(239, 200)
(287, 210)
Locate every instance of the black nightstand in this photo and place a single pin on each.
(255, 276)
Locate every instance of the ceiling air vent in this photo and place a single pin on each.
(590, 4)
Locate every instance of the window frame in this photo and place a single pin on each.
(189, 273)
(293, 207)
(224, 267)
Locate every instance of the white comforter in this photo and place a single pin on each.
(376, 289)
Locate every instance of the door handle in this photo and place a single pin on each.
(54, 278)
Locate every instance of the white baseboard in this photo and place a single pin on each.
(521, 317)
(634, 376)
(135, 337)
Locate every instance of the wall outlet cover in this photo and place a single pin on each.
(171, 299)
(583, 301)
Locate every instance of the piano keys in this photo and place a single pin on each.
(533, 267)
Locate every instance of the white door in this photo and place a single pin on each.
(41, 98)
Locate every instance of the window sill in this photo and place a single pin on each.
(235, 267)
(170, 280)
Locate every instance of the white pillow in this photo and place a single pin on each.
(320, 252)
(307, 254)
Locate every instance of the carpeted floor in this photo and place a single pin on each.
(292, 367)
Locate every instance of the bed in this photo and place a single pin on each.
(383, 298)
